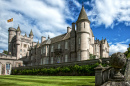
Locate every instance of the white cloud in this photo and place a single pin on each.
(37, 15)
(117, 48)
(107, 11)
(77, 3)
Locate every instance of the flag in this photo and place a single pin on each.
(10, 20)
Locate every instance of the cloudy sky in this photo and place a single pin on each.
(110, 19)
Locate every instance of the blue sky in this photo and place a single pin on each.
(110, 19)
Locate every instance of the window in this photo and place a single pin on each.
(52, 48)
(66, 58)
(58, 46)
(66, 45)
(20, 50)
(79, 56)
(51, 60)
(8, 68)
(41, 61)
(19, 64)
(44, 60)
(58, 60)
(31, 57)
(79, 40)
(14, 45)
(25, 45)
(47, 60)
(44, 49)
(41, 51)
(20, 56)
(47, 49)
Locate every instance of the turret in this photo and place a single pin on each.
(83, 35)
(31, 34)
(11, 34)
(25, 35)
(18, 41)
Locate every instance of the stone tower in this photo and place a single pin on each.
(73, 43)
(11, 34)
(18, 41)
(83, 36)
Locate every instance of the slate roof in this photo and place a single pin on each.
(82, 15)
(31, 33)
(56, 39)
(18, 29)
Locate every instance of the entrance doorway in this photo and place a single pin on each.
(8, 68)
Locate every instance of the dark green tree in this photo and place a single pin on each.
(5, 52)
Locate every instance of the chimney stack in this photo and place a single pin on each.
(68, 29)
(43, 39)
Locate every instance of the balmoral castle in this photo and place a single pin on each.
(75, 45)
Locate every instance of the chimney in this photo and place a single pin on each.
(73, 26)
(43, 39)
(68, 29)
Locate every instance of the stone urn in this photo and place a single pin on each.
(118, 61)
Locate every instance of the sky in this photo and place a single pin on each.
(109, 19)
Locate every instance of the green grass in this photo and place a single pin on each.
(22, 80)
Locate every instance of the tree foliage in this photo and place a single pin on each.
(5, 52)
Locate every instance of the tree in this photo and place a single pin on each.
(127, 53)
(5, 52)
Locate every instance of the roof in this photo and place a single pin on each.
(18, 29)
(56, 39)
(82, 15)
(91, 32)
(31, 33)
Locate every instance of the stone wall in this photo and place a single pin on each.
(86, 62)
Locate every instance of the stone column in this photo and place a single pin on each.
(98, 74)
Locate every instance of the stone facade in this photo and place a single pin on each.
(7, 62)
(75, 45)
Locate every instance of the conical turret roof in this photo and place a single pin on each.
(18, 29)
(82, 15)
(25, 35)
(31, 33)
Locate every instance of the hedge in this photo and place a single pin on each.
(68, 70)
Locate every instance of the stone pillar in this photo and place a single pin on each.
(98, 74)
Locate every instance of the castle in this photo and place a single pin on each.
(75, 45)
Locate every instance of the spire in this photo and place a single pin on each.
(48, 37)
(82, 15)
(31, 33)
(25, 34)
(82, 4)
(18, 29)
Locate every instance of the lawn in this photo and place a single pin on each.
(22, 80)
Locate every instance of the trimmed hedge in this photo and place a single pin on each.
(68, 70)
